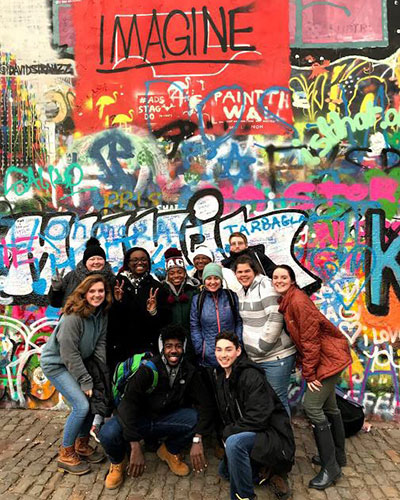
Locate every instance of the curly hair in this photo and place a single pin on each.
(77, 303)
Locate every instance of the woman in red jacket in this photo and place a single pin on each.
(323, 352)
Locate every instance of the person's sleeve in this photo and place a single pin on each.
(238, 320)
(258, 406)
(68, 336)
(205, 404)
(273, 325)
(195, 327)
(307, 319)
(100, 349)
(56, 295)
(163, 316)
(129, 408)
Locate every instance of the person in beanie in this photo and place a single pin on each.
(201, 257)
(79, 335)
(139, 311)
(180, 289)
(213, 310)
(93, 262)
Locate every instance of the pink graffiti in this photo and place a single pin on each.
(247, 194)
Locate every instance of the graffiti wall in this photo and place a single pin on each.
(160, 124)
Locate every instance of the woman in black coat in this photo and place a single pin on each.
(139, 311)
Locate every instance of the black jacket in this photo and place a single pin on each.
(131, 328)
(247, 402)
(101, 402)
(188, 390)
(257, 253)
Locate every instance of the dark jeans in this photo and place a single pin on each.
(240, 472)
(178, 427)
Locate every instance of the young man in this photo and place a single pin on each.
(257, 431)
(164, 412)
(239, 246)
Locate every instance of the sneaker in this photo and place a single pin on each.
(94, 432)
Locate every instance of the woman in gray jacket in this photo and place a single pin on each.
(80, 334)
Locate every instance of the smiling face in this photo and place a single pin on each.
(95, 263)
(138, 262)
(212, 283)
(200, 261)
(281, 280)
(226, 353)
(96, 294)
(237, 244)
(245, 275)
(173, 351)
(176, 275)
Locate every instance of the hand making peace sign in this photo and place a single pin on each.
(118, 290)
(152, 300)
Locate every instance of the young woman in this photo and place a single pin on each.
(93, 262)
(265, 340)
(139, 311)
(80, 334)
(323, 353)
(212, 311)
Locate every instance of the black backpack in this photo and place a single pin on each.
(352, 413)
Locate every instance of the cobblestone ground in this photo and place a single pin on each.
(29, 441)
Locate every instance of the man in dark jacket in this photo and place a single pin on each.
(257, 431)
(239, 246)
(164, 412)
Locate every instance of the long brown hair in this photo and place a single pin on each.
(77, 303)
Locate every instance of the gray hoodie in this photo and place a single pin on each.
(74, 340)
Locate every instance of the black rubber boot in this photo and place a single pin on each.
(339, 437)
(330, 470)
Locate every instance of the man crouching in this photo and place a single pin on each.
(161, 412)
(257, 434)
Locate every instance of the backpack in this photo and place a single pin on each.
(126, 369)
(352, 413)
(231, 300)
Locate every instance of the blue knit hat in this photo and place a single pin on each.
(212, 269)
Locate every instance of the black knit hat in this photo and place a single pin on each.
(93, 248)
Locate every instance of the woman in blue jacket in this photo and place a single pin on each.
(214, 310)
(80, 334)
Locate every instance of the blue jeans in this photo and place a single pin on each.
(80, 419)
(178, 427)
(278, 374)
(240, 473)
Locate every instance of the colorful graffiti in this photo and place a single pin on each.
(152, 125)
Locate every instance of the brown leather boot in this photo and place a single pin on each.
(115, 476)
(174, 461)
(69, 461)
(85, 451)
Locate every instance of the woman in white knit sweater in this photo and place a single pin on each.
(264, 337)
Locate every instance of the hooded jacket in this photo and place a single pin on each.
(247, 403)
(257, 253)
(216, 316)
(187, 389)
(73, 341)
(264, 336)
(58, 296)
(322, 349)
(132, 329)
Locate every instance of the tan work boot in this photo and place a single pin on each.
(174, 461)
(85, 451)
(115, 476)
(68, 461)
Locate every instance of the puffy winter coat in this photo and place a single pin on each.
(216, 316)
(322, 349)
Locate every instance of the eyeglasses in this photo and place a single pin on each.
(137, 261)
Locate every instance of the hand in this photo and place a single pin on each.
(197, 457)
(315, 385)
(136, 462)
(89, 393)
(152, 300)
(56, 280)
(118, 290)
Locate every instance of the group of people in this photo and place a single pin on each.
(221, 343)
